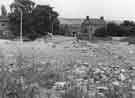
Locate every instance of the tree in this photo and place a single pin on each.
(3, 11)
(44, 16)
(25, 5)
(113, 30)
(101, 32)
(37, 20)
(20, 9)
(127, 23)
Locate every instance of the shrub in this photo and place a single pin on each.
(101, 32)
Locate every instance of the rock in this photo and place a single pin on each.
(123, 70)
(116, 83)
(59, 85)
(133, 87)
(102, 88)
(122, 77)
(131, 51)
(100, 63)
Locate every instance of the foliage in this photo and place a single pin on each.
(113, 29)
(101, 32)
(37, 19)
(43, 19)
(127, 23)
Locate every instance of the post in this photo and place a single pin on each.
(21, 39)
(52, 27)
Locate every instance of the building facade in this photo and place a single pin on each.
(89, 26)
(86, 27)
(69, 26)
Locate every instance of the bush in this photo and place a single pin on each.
(101, 32)
(113, 29)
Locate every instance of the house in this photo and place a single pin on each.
(89, 26)
(86, 27)
(4, 26)
(70, 25)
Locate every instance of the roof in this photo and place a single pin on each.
(97, 21)
(4, 18)
(71, 21)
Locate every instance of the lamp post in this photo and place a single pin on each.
(21, 16)
(21, 39)
(51, 20)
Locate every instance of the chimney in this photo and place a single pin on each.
(102, 18)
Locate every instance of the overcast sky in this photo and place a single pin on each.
(110, 9)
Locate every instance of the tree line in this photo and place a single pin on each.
(126, 28)
(37, 19)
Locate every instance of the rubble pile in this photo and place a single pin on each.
(106, 81)
(102, 80)
(111, 76)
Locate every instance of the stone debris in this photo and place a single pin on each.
(100, 78)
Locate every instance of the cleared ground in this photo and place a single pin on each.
(65, 50)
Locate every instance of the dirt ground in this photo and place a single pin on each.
(65, 50)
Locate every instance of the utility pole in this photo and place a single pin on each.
(51, 23)
(21, 38)
(21, 20)
(106, 28)
(52, 26)
(51, 20)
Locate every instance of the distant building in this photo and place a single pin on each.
(4, 26)
(68, 25)
(86, 27)
(89, 26)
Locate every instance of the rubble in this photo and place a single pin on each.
(100, 78)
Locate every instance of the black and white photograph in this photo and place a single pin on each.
(67, 49)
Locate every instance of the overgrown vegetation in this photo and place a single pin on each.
(127, 28)
(37, 19)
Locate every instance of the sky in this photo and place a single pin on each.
(110, 9)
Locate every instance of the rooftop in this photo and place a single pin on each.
(72, 21)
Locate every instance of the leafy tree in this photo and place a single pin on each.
(101, 32)
(112, 29)
(26, 7)
(127, 23)
(37, 20)
(43, 19)
(3, 11)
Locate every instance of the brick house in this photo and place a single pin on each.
(89, 26)
(70, 25)
(86, 27)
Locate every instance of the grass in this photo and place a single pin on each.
(35, 66)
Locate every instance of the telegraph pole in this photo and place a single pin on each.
(21, 38)
(21, 20)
